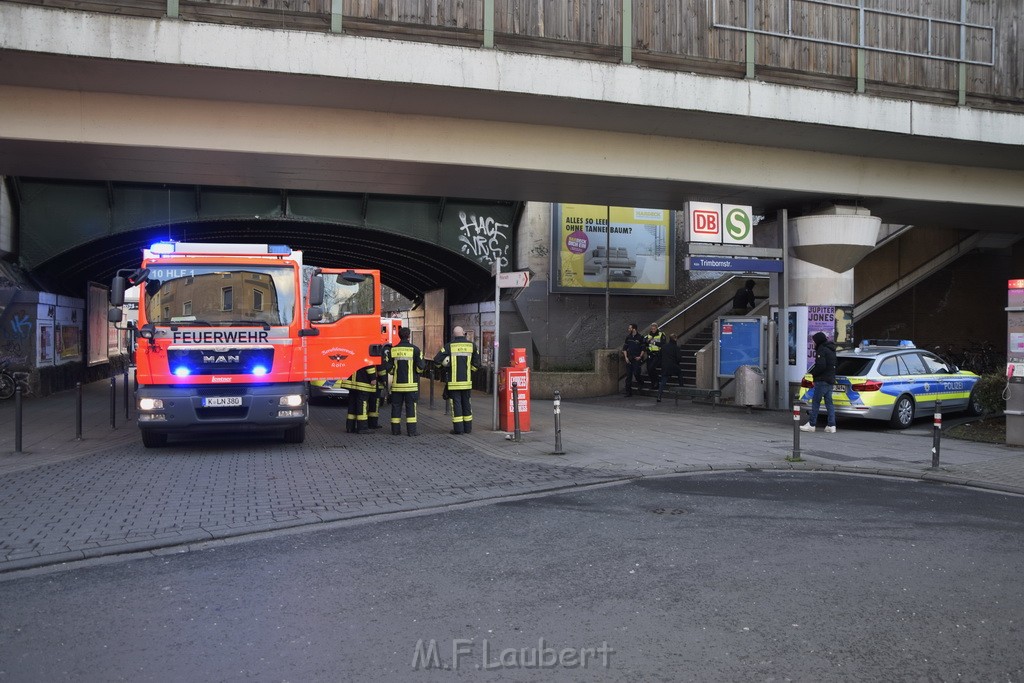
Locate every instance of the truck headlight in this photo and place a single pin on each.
(151, 404)
(291, 400)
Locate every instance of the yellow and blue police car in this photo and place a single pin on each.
(327, 388)
(892, 380)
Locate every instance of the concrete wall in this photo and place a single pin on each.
(603, 380)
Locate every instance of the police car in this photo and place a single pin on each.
(327, 388)
(892, 380)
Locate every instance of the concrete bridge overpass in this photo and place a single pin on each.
(94, 97)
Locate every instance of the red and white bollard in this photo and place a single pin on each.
(795, 457)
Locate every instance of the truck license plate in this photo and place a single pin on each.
(222, 401)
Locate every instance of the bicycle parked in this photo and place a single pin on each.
(10, 380)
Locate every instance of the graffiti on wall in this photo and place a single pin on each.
(483, 238)
(16, 333)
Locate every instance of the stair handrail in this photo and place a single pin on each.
(700, 298)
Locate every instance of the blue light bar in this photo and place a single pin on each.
(898, 343)
(162, 248)
(278, 249)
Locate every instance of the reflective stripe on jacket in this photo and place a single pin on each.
(405, 367)
(655, 342)
(461, 358)
(362, 380)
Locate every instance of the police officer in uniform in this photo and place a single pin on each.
(654, 341)
(360, 386)
(632, 352)
(405, 364)
(460, 359)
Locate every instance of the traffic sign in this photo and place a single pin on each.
(517, 278)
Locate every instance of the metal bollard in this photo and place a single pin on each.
(127, 415)
(17, 419)
(113, 402)
(78, 412)
(515, 412)
(795, 457)
(936, 434)
(558, 423)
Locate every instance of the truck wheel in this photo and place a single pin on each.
(152, 439)
(295, 434)
(902, 412)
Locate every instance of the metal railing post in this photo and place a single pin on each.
(936, 434)
(558, 423)
(515, 412)
(17, 419)
(127, 415)
(113, 402)
(78, 411)
(795, 457)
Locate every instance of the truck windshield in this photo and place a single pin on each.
(221, 295)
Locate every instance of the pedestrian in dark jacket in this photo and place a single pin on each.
(670, 364)
(744, 300)
(632, 353)
(823, 372)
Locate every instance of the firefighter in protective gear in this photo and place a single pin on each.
(360, 386)
(405, 365)
(460, 359)
(375, 399)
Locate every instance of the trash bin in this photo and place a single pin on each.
(749, 386)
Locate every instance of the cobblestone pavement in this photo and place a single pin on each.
(64, 499)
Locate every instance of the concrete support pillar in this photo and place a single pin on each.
(6, 221)
(824, 249)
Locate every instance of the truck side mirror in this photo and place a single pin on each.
(350, 277)
(316, 293)
(114, 315)
(117, 287)
(315, 314)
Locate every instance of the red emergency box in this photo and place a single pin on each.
(506, 416)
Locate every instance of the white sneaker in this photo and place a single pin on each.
(830, 430)
(807, 427)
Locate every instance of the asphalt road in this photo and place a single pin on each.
(745, 576)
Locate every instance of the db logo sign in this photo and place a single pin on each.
(720, 223)
(705, 222)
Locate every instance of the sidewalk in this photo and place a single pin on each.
(64, 500)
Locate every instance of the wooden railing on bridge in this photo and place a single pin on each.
(945, 52)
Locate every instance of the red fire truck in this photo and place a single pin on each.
(229, 334)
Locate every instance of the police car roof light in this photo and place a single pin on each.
(898, 343)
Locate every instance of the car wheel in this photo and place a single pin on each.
(974, 407)
(152, 439)
(902, 412)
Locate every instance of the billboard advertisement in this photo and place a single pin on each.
(624, 249)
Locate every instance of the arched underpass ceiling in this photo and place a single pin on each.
(408, 266)
(75, 232)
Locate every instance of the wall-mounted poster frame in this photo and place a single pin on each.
(634, 257)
